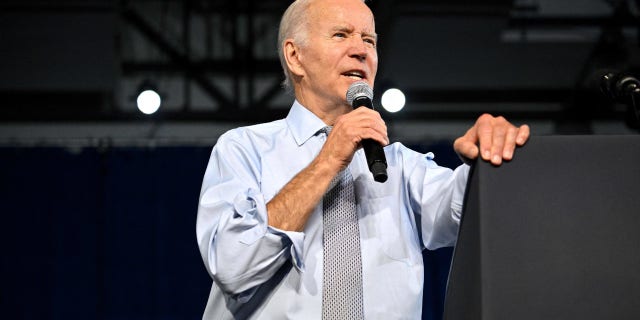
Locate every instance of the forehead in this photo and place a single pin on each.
(345, 13)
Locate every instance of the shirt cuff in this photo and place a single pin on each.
(251, 209)
(297, 245)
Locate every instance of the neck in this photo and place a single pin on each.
(325, 109)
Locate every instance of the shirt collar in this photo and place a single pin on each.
(303, 123)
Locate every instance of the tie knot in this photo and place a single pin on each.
(326, 130)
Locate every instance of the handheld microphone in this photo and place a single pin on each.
(360, 94)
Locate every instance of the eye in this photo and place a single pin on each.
(370, 41)
(340, 35)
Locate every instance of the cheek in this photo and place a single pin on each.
(373, 66)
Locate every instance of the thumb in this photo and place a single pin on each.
(466, 146)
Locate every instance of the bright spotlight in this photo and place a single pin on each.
(393, 100)
(148, 101)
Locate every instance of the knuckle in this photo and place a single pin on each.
(485, 117)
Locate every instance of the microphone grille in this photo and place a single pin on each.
(359, 89)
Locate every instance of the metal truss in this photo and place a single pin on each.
(226, 51)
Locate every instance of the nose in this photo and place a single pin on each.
(358, 49)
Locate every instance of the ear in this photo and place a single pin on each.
(292, 57)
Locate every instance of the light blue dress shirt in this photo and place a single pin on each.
(261, 272)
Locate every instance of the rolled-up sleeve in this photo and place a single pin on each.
(437, 194)
(442, 205)
(239, 249)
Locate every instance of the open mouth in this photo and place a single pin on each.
(355, 74)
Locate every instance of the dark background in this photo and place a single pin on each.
(98, 201)
(109, 233)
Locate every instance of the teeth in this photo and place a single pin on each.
(354, 75)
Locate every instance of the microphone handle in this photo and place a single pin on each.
(376, 160)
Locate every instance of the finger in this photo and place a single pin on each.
(510, 143)
(485, 135)
(381, 129)
(466, 146)
(377, 132)
(466, 149)
(361, 129)
(498, 138)
(382, 139)
(523, 134)
(357, 134)
(369, 125)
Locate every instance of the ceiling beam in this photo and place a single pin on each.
(175, 55)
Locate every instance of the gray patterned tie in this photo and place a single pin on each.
(342, 268)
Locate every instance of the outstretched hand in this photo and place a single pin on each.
(492, 138)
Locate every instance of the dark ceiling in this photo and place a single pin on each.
(78, 61)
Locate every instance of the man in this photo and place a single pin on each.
(260, 224)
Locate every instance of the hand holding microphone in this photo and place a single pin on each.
(360, 94)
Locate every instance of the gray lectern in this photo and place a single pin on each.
(554, 234)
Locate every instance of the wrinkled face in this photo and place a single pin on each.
(340, 48)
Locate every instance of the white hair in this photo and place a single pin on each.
(293, 25)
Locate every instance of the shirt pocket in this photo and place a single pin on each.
(393, 229)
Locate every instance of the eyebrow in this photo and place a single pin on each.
(373, 35)
(350, 30)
